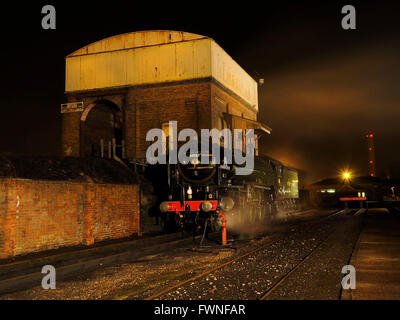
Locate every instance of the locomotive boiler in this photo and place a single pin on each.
(193, 195)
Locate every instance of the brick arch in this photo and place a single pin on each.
(89, 108)
(101, 120)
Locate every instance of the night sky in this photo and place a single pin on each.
(325, 87)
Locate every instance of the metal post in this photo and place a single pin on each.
(123, 149)
(114, 147)
(224, 241)
(102, 148)
(346, 207)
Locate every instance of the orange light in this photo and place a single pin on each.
(370, 149)
(371, 135)
(371, 174)
(370, 161)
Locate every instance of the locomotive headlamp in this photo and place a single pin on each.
(226, 203)
(189, 190)
(206, 206)
(164, 207)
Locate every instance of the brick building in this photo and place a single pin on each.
(134, 82)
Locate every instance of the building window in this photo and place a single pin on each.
(165, 129)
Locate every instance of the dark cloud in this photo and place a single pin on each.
(320, 112)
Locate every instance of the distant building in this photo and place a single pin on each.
(134, 82)
(327, 192)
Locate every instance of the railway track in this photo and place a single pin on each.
(26, 273)
(182, 283)
(278, 283)
(269, 243)
(310, 255)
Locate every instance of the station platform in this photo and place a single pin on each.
(376, 258)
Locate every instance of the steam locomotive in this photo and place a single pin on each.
(193, 194)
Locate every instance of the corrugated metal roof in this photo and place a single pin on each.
(137, 39)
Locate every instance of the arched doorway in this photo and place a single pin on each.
(101, 121)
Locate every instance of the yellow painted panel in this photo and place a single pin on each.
(133, 59)
(167, 67)
(232, 76)
(102, 71)
(151, 65)
(73, 73)
(114, 43)
(96, 47)
(173, 61)
(145, 65)
(118, 73)
(185, 60)
(88, 65)
(202, 58)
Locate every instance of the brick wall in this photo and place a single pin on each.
(43, 215)
(194, 104)
(70, 134)
(223, 102)
(148, 107)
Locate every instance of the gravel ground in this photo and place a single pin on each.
(251, 277)
(244, 279)
(319, 277)
(111, 282)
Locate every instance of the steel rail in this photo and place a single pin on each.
(270, 243)
(160, 293)
(286, 275)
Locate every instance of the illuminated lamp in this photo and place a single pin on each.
(164, 207)
(206, 206)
